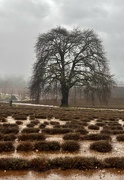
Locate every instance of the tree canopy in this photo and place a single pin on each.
(71, 58)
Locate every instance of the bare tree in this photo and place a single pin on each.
(70, 58)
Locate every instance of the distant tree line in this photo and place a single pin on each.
(13, 85)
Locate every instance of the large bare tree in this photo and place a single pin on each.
(70, 58)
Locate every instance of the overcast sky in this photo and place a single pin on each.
(22, 20)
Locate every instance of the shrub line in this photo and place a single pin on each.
(63, 163)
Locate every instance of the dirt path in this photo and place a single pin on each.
(63, 175)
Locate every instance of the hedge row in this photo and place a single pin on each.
(42, 164)
(70, 146)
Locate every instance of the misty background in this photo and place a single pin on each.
(21, 21)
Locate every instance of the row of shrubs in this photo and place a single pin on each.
(65, 114)
(93, 137)
(7, 137)
(53, 131)
(112, 132)
(36, 122)
(9, 128)
(22, 137)
(113, 129)
(40, 136)
(42, 164)
(70, 146)
(13, 128)
(68, 136)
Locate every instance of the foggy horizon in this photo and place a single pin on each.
(22, 21)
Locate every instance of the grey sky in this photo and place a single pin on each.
(22, 20)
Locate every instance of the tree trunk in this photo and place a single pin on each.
(37, 98)
(65, 95)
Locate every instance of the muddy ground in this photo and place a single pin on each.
(117, 151)
(63, 175)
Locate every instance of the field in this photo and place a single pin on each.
(61, 143)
